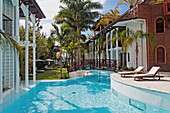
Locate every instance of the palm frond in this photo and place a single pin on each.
(7, 40)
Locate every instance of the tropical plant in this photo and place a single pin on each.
(61, 37)
(50, 45)
(99, 45)
(156, 1)
(134, 36)
(109, 16)
(42, 47)
(79, 15)
(7, 40)
(42, 50)
(129, 37)
(128, 2)
(121, 37)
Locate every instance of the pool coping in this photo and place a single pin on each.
(157, 85)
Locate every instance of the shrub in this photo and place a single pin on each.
(131, 69)
(124, 68)
(64, 76)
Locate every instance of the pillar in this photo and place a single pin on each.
(107, 47)
(1, 78)
(26, 49)
(92, 49)
(34, 51)
(1, 85)
(1, 12)
(117, 51)
(16, 54)
(111, 48)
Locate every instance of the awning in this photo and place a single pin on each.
(33, 8)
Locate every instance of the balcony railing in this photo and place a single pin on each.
(107, 64)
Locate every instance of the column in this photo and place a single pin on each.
(1, 78)
(1, 85)
(93, 49)
(26, 49)
(95, 56)
(34, 51)
(111, 47)
(107, 47)
(1, 12)
(16, 54)
(117, 51)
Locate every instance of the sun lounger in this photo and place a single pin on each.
(152, 73)
(136, 71)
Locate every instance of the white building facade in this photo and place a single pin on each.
(10, 13)
(114, 50)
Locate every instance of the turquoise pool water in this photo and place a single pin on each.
(90, 94)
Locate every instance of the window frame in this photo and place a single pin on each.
(155, 25)
(156, 54)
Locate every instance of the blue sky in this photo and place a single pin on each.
(111, 4)
(52, 7)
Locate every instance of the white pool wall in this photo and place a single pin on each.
(78, 73)
(154, 98)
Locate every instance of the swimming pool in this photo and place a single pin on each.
(149, 101)
(89, 94)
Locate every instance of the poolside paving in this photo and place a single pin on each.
(162, 85)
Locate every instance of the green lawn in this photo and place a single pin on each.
(52, 74)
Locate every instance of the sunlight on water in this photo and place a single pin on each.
(90, 94)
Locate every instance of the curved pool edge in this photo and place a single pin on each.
(150, 85)
(137, 93)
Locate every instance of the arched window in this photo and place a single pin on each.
(159, 25)
(161, 54)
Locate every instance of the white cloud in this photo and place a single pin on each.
(101, 1)
(50, 9)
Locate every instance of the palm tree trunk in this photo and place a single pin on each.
(123, 59)
(79, 55)
(137, 51)
(123, 54)
(61, 77)
(67, 59)
(99, 56)
(71, 61)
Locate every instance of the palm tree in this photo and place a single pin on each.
(99, 45)
(60, 34)
(156, 1)
(50, 45)
(109, 16)
(134, 36)
(130, 3)
(7, 40)
(121, 37)
(129, 37)
(78, 14)
(61, 37)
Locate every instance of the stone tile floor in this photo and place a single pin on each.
(162, 85)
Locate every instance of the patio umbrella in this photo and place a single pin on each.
(49, 60)
(39, 60)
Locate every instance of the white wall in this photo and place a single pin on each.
(141, 95)
(142, 57)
